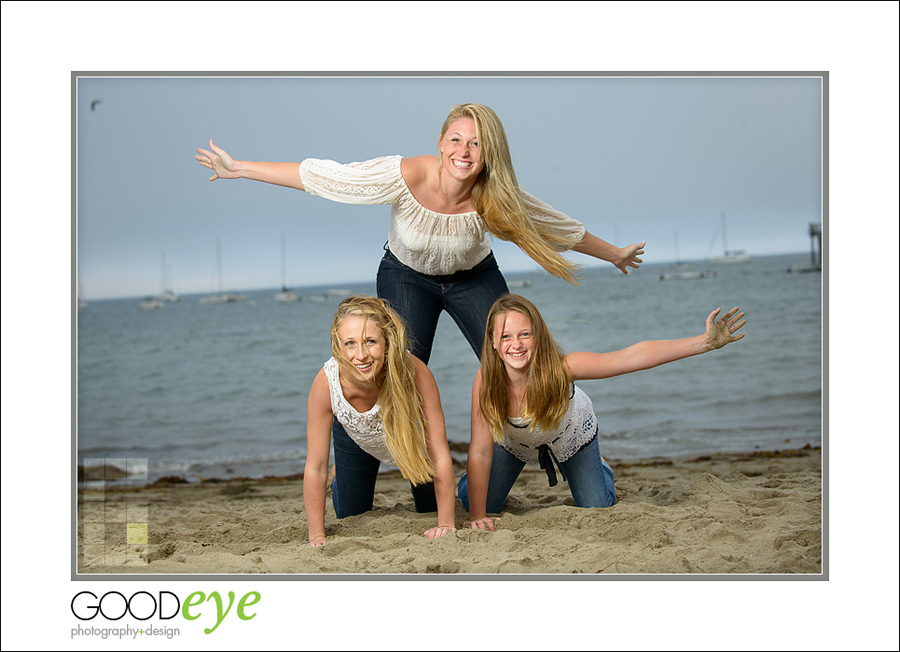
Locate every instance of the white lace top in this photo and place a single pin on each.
(577, 428)
(428, 242)
(363, 427)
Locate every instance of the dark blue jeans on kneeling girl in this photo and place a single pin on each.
(355, 473)
(589, 477)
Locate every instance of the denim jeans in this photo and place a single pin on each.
(353, 487)
(590, 478)
(419, 299)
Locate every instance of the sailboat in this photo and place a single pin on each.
(286, 295)
(221, 297)
(730, 257)
(166, 295)
(682, 271)
(151, 304)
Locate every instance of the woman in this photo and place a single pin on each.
(526, 408)
(388, 404)
(438, 256)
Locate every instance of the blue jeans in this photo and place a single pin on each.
(419, 299)
(353, 487)
(590, 478)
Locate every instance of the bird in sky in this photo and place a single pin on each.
(94, 104)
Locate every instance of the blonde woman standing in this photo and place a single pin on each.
(438, 255)
(390, 409)
(527, 408)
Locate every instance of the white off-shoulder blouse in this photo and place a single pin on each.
(428, 242)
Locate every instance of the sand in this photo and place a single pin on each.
(754, 513)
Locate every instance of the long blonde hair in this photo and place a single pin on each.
(548, 387)
(402, 415)
(497, 195)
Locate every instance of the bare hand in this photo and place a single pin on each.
(721, 332)
(486, 523)
(629, 257)
(218, 161)
(439, 531)
(317, 541)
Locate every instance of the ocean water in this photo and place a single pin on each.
(220, 390)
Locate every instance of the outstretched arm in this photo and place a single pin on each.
(646, 355)
(438, 452)
(542, 214)
(225, 167)
(315, 473)
(623, 258)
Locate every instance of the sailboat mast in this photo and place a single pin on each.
(219, 263)
(283, 281)
(724, 239)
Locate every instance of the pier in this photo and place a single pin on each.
(815, 251)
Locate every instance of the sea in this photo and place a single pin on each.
(198, 390)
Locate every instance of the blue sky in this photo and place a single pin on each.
(656, 158)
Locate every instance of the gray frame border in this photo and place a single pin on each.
(75, 576)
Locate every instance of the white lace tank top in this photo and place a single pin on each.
(577, 427)
(363, 427)
(428, 242)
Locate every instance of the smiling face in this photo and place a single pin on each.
(459, 149)
(363, 348)
(513, 339)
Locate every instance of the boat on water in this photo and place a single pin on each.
(333, 294)
(683, 271)
(686, 275)
(730, 256)
(222, 296)
(803, 269)
(286, 295)
(166, 294)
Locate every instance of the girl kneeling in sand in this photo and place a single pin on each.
(387, 401)
(526, 408)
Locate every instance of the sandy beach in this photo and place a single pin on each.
(729, 513)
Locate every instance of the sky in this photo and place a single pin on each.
(623, 169)
(655, 158)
